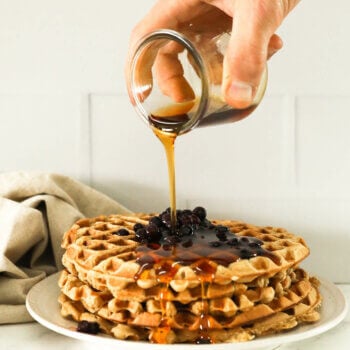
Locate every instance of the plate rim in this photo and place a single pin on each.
(331, 289)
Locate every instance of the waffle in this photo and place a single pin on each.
(198, 293)
(108, 262)
(245, 295)
(304, 311)
(226, 312)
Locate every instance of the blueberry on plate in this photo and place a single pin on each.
(88, 327)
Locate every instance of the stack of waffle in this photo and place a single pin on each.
(139, 290)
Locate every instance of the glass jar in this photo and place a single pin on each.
(175, 81)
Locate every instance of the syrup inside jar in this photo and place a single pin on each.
(175, 80)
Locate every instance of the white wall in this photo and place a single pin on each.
(63, 108)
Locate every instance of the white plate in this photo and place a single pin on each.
(42, 304)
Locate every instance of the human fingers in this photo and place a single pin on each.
(170, 14)
(252, 42)
(169, 73)
(275, 44)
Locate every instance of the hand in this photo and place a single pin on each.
(253, 41)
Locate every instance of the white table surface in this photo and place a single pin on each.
(32, 336)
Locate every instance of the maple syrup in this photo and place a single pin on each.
(168, 141)
(179, 119)
(194, 92)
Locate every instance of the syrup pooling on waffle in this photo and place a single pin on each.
(195, 240)
(138, 259)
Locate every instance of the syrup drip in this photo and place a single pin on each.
(160, 334)
(168, 141)
(205, 318)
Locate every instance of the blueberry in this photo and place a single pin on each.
(233, 242)
(179, 233)
(184, 219)
(167, 210)
(88, 327)
(203, 340)
(185, 230)
(222, 236)
(246, 254)
(137, 226)
(122, 232)
(141, 235)
(153, 233)
(152, 228)
(207, 224)
(156, 220)
(165, 231)
(195, 219)
(166, 218)
(172, 240)
(221, 228)
(200, 212)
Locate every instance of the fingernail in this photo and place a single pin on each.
(240, 91)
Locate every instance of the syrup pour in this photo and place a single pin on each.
(166, 271)
(173, 116)
(168, 141)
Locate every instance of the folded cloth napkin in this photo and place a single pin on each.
(35, 210)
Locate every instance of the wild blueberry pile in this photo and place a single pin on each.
(159, 227)
(193, 227)
(88, 327)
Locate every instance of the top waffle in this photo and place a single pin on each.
(107, 253)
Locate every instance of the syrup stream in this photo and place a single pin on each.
(160, 334)
(168, 141)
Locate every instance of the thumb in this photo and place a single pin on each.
(253, 25)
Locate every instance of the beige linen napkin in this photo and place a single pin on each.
(35, 210)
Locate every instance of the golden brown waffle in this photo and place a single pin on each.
(108, 262)
(305, 311)
(260, 290)
(229, 296)
(242, 307)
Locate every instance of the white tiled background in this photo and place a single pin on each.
(63, 108)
